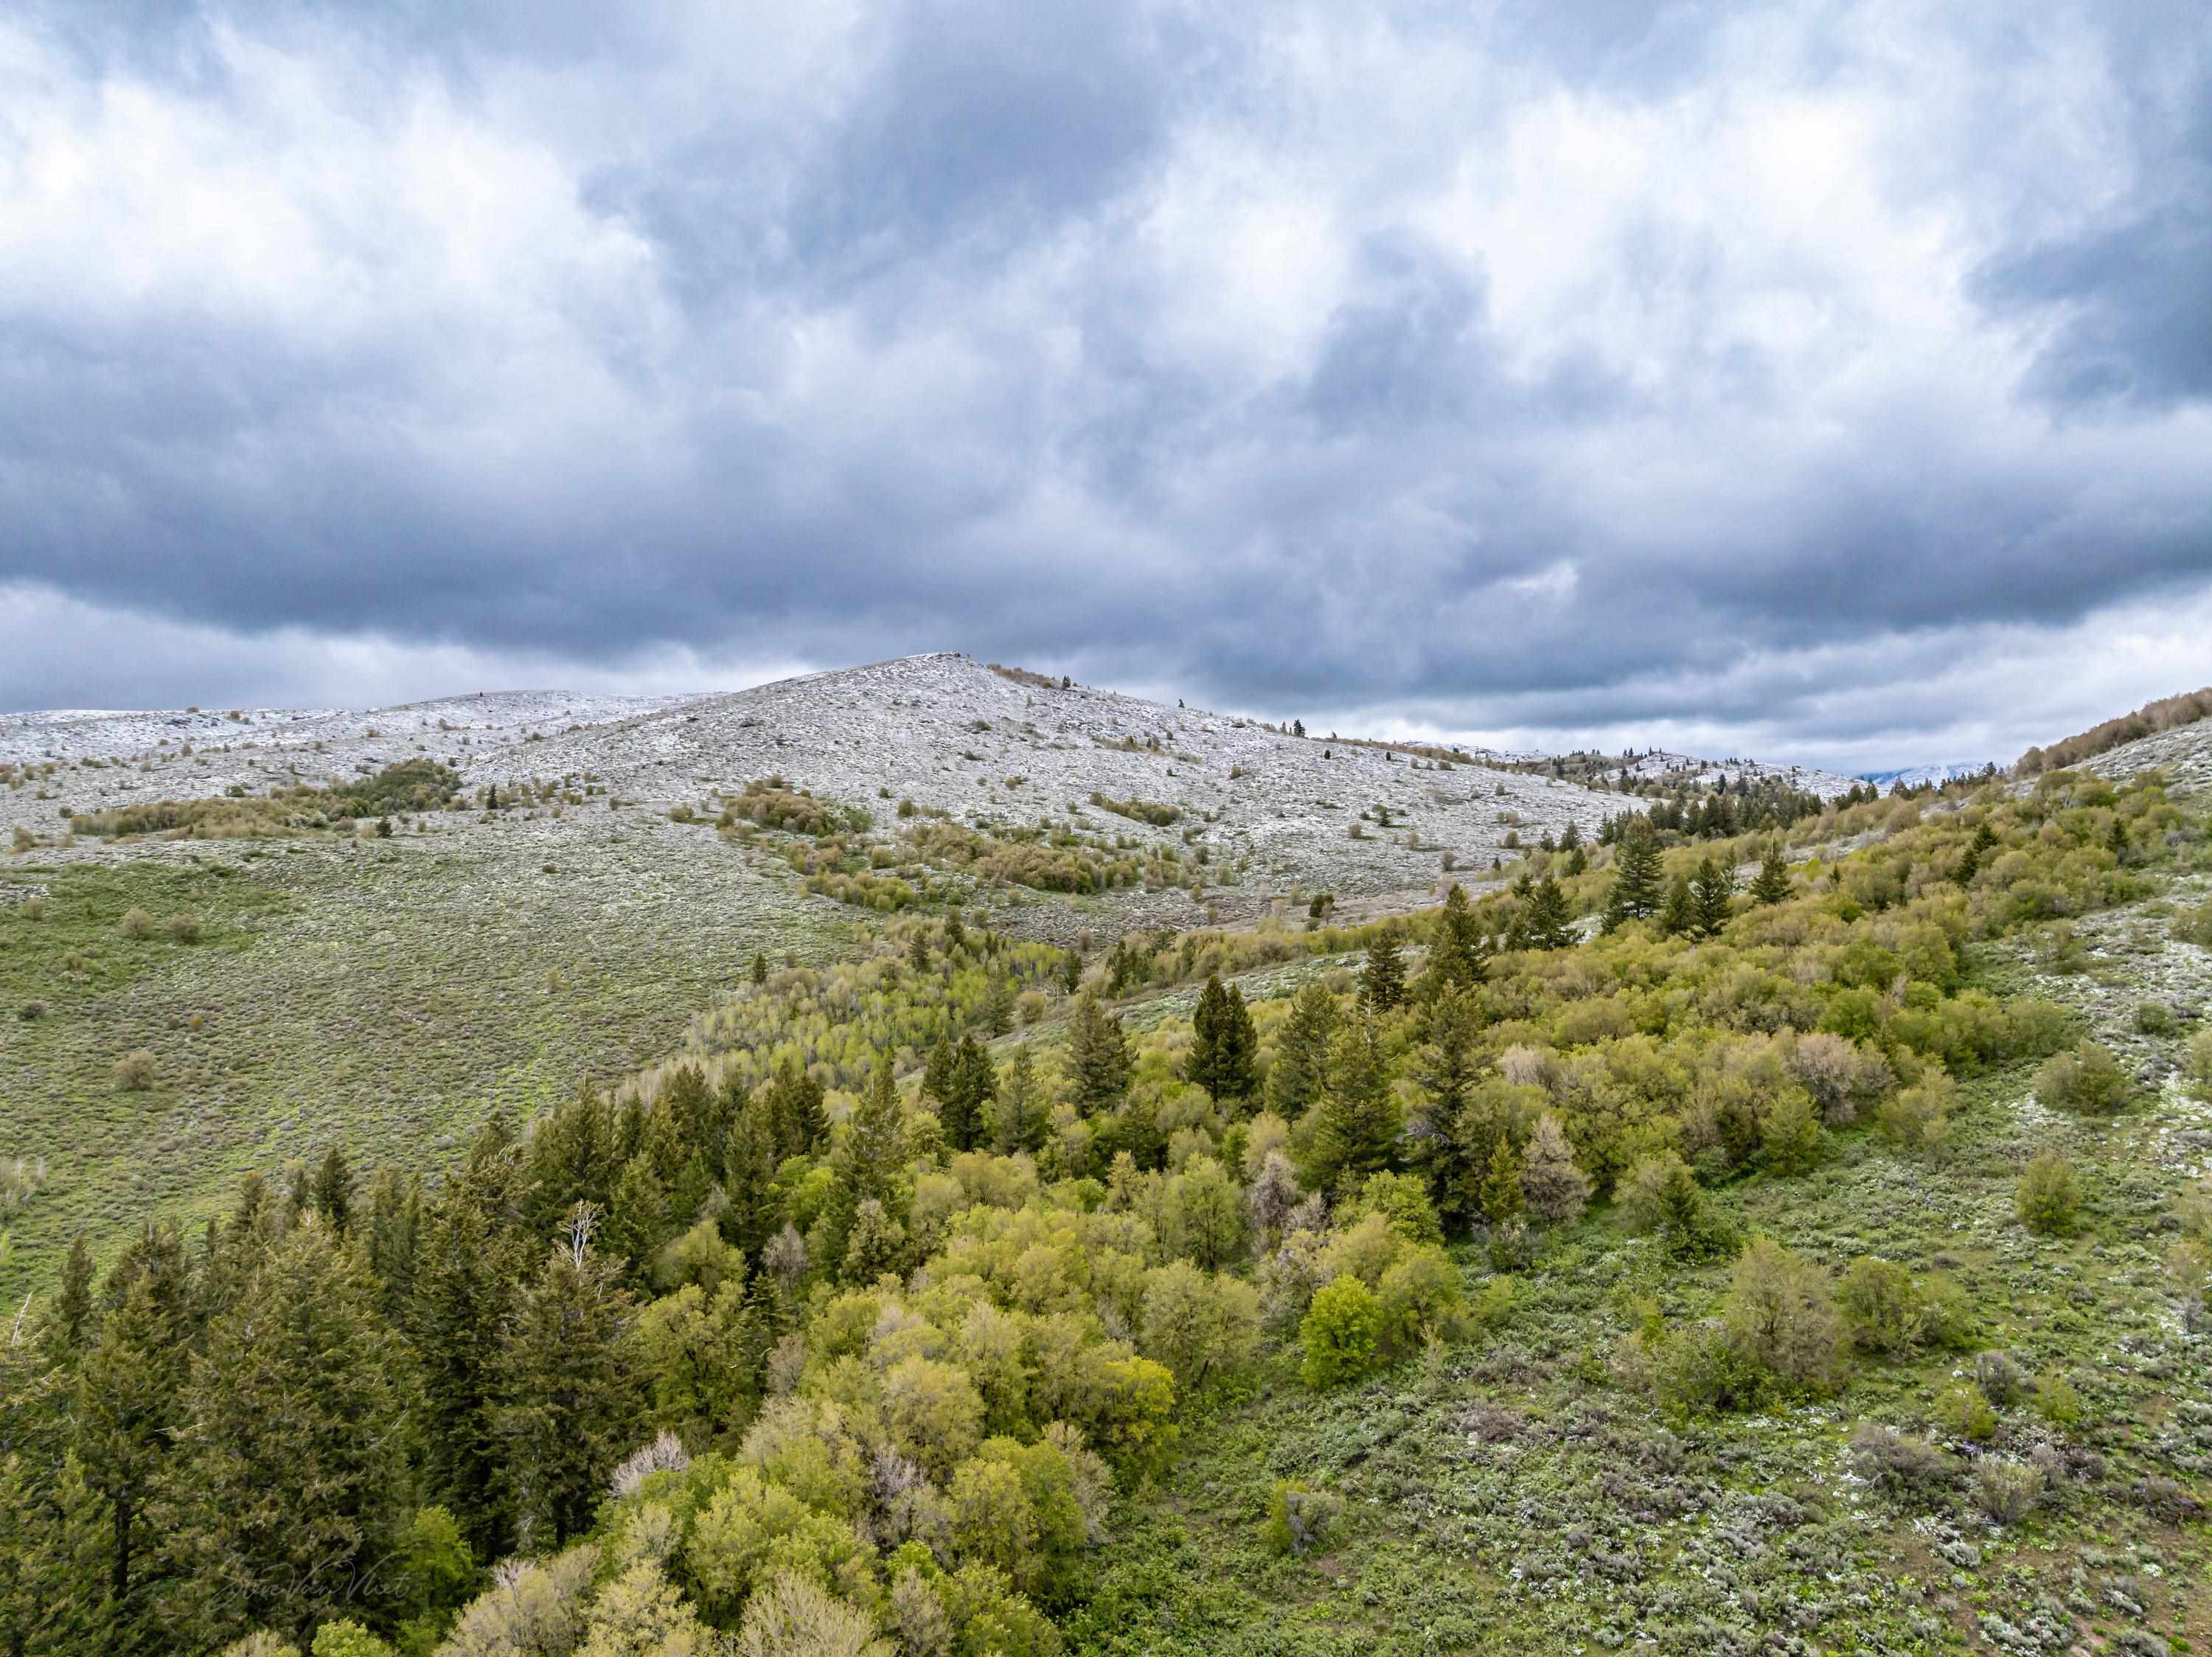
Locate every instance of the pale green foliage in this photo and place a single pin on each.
(1781, 1314)
(2087, 1080)
(2049, 1200)
(793, 1615)
(1202, 1327)
(348, 1639)
(1342, 1334)
(1882, 1307)
(529, 1609)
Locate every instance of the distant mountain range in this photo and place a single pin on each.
(1916, 775)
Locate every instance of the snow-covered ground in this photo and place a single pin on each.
(1914, 776)
(1661, 767)
(942, 730)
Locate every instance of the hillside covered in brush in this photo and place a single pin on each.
(1706, 1232)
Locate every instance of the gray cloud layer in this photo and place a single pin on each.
(1519, 367)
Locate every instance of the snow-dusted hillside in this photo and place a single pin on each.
(1661, 767)
(1913, 776)
(2184, 754)
(941, 730)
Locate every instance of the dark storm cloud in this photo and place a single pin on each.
(1533, 365)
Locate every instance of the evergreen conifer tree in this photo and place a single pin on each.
(1355, 1131)
(1635, 883)
(1383, 979)
(567, 1397)
(287, 1501)
(973, 1082)
(1680, 914)
(1772, 885)
(1447, 1076)
(1098, 1056)
(334, 1190)
(129, 1404)
(1709, 890)
(875, 1150)
(936, 1071)
(1222, 1043)
(1302, 1045)
(1502, 1201)
(1546, 919)
(1021, 1121)
(1459, 955)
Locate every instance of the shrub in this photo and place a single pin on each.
(137, 923)
(2049, 1200)
(2086, 1080)
(183, 929)
(1917, 1120)
(1341, 1332)
(2056, 1401)
(2190, 925)
(1704, 1369)
(2198, 1065)
(2155, 1018)
(1299, 1518)
(1948, 1322)
(1790, 1137)
(1780, 1314)
(1963, 1412)
(2002, 1381)
(1882, 1307)
(1891, 1461)
(2007, 1491)
(137, 1071)
(1661, 1197)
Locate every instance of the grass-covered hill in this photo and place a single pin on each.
(1790, 1241)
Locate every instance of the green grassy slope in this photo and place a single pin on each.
(388, 993)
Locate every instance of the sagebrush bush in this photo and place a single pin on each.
(2007, 1491)
(137, 1071)
(2198, 1065)
(135, 924)
(1892, 1460)
(1300, 1518)
(183, 929)
(2194, 925)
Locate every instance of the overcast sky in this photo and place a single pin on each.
(1819, 381)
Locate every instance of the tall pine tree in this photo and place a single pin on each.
(287, 1501)
(568, 1399)
(1223, 1043)
(1635, 880)
(1382, 978)
(1098, 1056)
(1355, 1126)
